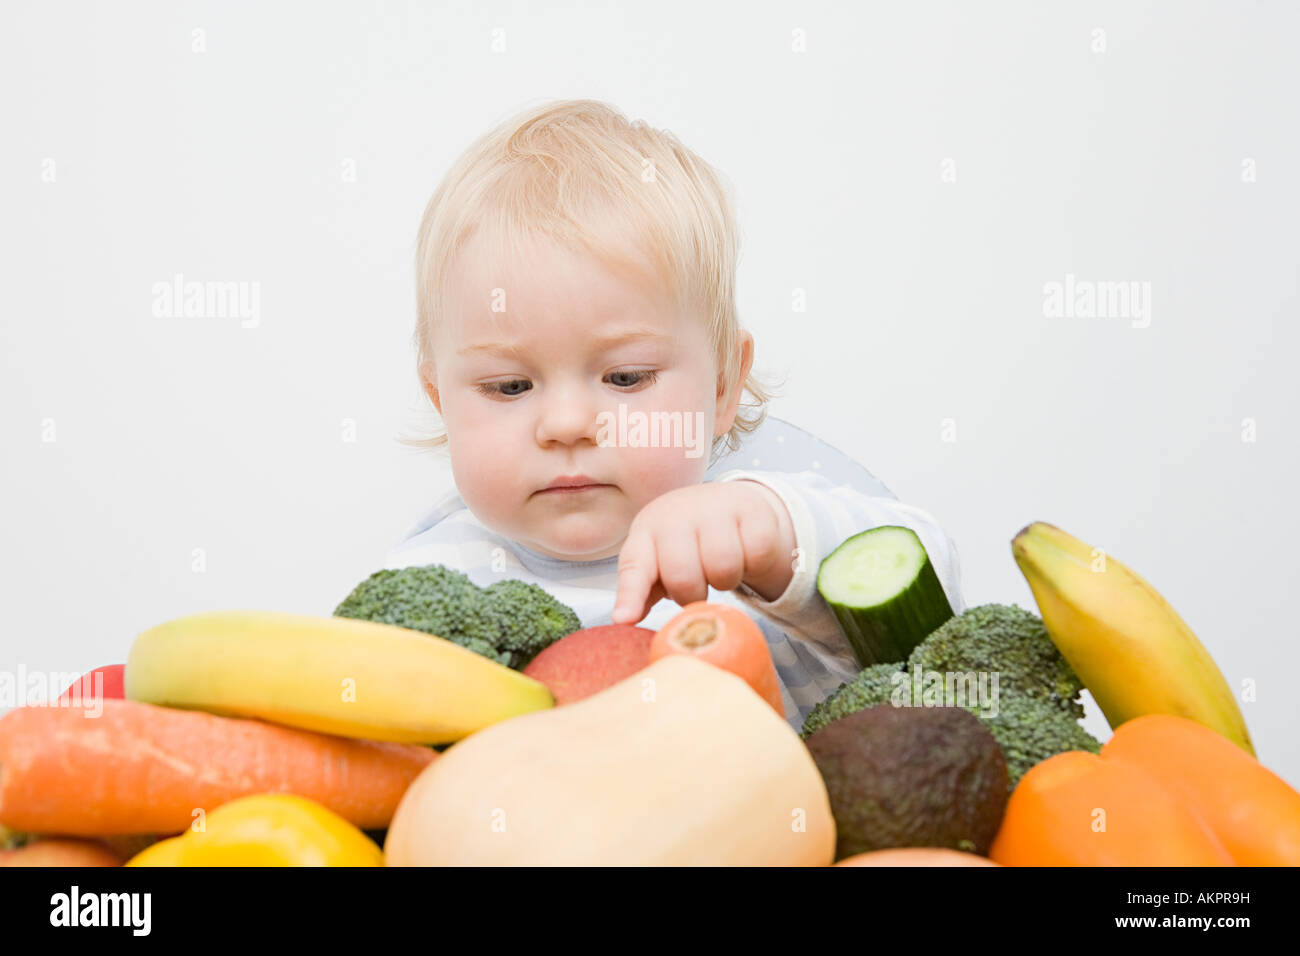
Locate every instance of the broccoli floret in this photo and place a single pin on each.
(873, 685)
(1029, 732)
(1036, 704)
(1006, 640)
(433, 599)
(530, 619)
(509, 622)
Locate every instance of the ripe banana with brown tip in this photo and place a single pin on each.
(1128, 646)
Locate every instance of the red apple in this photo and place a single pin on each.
(584, 662)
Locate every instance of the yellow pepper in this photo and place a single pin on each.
(272, 829)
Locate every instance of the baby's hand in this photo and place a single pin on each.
(716, 533)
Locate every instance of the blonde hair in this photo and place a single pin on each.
(577, 173)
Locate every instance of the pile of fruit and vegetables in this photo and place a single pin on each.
(430, 721)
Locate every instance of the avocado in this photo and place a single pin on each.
(911, 776)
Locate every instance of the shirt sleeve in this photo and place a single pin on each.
(824, 515)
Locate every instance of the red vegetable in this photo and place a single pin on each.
(584, 662)
(110, 681)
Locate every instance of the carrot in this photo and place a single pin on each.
(139, 768)
(725, 637)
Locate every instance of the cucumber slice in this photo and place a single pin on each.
(884, 593)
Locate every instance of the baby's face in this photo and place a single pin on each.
(532, 394)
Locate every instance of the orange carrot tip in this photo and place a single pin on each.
(725, 637)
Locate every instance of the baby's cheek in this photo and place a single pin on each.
(650, 472)
(485, 482)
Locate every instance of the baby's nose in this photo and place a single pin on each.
(567, 415)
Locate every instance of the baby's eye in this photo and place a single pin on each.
(630, 379)
(508, 389)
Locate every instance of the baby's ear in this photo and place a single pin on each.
(729, 393)
(431, 385)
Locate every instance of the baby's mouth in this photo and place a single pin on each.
(573, 485)
(562, 490)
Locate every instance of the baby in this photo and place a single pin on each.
(577, 334)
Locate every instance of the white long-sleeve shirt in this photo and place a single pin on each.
(811, 655)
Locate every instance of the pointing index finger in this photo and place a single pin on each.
(638, 570)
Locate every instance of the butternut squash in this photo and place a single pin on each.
(680, 764)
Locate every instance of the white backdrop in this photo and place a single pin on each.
(920, 171)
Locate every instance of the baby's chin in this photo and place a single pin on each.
(579, 538)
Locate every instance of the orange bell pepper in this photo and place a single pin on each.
(1251, 809)
(1079, 809)
(1165, 791)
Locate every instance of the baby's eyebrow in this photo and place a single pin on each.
(600, 341)
(491, 348)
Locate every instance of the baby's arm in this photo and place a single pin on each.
(823, 516)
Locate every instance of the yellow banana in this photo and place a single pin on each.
(1128, 646)
(329, 674)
